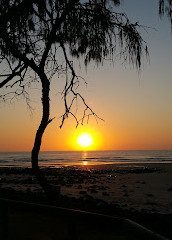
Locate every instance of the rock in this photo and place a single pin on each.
(105, 194)
(93, 190)
(82, 192)
(126, 195)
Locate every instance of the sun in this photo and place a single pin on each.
(85, 140)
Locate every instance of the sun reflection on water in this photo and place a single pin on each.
(84, 155)
(84, 158)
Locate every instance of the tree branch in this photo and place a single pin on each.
(12, 75)
(68, 89)
(52, 35)
(16, 52)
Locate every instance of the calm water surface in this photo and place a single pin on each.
(68, 158)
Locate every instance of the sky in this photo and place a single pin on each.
(135, 106)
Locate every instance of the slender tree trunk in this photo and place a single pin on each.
(50, 191)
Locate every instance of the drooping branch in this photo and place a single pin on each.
(165, 7)
(69, 87)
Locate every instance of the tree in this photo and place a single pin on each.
(34, 32)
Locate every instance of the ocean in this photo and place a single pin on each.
(71, 158)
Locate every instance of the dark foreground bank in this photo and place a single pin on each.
(27, 221)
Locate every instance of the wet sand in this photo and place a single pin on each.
(127, 190)
(142, 187)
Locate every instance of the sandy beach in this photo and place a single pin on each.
(130, 190)
(142, 187)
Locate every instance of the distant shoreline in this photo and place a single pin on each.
(89, 150)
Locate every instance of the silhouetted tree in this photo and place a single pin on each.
(35, 33)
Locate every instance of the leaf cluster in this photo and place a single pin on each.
(90, 28)
(165, 7)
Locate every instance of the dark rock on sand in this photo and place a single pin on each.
(149, 195)
(126, 195)
(82, 192)
(93, 190)
(105, 194)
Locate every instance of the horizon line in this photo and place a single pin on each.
(91, 150)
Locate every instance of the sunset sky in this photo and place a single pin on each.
(136, 107)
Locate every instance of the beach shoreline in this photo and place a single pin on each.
(144, 187)
(135, 191)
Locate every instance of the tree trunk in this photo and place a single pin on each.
(51, 192)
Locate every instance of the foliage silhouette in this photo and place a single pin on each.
(165, 7)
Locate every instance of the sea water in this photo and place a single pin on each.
(71, 158)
